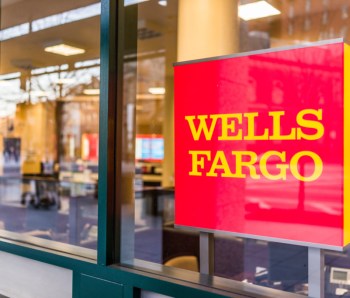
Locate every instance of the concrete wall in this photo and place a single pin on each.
(25, 278)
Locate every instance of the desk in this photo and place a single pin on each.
(151, 180)
(73, 222)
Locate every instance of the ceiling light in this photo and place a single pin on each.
(149, 96)
(132, 2)
(157, 90)
(91, 91)
(163, 2)
(257, 10)
(65, 50)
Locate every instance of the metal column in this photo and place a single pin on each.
(316, 272)
(206, 253)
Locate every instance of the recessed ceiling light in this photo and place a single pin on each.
(157, 90)
(65, 50)
(257, 10)
(163, 2)
(91, 91)
(149, 96)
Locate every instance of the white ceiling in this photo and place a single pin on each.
(28, 51)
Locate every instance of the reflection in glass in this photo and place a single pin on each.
(49, 124)
(161, 40)
(67, 17)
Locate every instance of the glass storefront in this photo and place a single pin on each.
(49, 119)
(49, 132)
(165, 32)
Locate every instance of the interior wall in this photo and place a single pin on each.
(24, 278)
(35, 125)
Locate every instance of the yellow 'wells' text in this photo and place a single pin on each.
(232, 126)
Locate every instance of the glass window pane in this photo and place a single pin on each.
(180, 30)
(49, 115)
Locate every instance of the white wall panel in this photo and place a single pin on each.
(24, 278)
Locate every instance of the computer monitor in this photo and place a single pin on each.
(340, 276)
(149, 148)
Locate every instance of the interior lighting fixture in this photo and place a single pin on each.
(91, 91)
(132, 2)
(257, 10)
(149, 96)
(163, 2)
(65, 50)
(157, 90)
